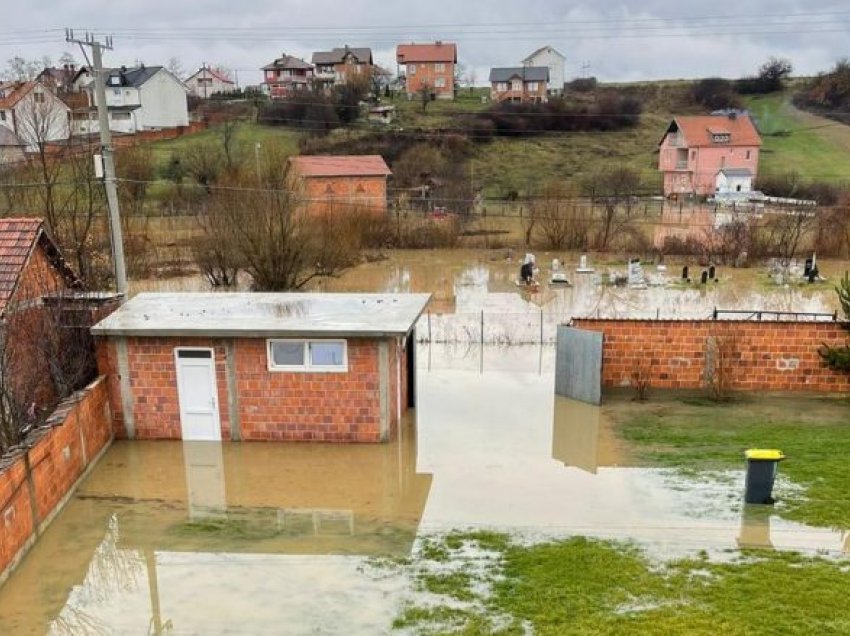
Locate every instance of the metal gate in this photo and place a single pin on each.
(578, 364)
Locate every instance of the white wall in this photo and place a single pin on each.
(38, 121)
(731, 184)
(549, 58)
(163, 99)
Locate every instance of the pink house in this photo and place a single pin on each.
(709, 154)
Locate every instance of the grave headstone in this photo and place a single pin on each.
(711, 273)
(583, 266)
(703, 279)
(685, 273)
(636, 277)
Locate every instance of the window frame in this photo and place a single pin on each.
(411, 69)
(308, 366)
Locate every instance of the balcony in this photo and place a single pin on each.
(682, 165)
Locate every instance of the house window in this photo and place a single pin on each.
(2, 115)
(120, 116)
(38, 97)
(440, 67)
(308, 355)
(440, 82)
(721, 138)
(116, 92)
(693, 155)
(411, 68)
(532, 86)
(748, 154)
(516, 85)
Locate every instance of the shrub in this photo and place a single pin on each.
(715, 93)
(770, 78)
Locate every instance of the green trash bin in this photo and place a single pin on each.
(762, 465)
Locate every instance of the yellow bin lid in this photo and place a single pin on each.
(764, 454)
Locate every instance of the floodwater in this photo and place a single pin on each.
(264, 538)
(475, 296)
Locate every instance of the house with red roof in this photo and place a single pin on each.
(428, 66)
(32, 271)
(209, 81)
(33, 114)
(709, 154)
(328, 183)
(286, 75)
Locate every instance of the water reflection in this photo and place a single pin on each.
(755, 527)
(582, 437)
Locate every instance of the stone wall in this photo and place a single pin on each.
(38, 477)
(680, 354)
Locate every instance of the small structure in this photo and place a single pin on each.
(381, 114)
(519, 84)
(333, 182)
(59, 80)
(428, 66)
(137, 99)
(209, 81)
(31, 269)
(11, 147)
(273, 366)
(554, 61)
(285, 76)
(342, 65)
(583, 266)
(695, 150)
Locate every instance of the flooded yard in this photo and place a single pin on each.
(199, 538)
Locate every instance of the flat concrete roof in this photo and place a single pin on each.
(256, 315)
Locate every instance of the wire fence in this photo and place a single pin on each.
(482, 327)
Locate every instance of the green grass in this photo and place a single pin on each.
(813, 433)
(585, 586)
(247, 135)
(795, 141)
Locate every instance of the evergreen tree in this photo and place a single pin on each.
(839, 357)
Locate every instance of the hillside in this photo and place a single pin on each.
(794, 140)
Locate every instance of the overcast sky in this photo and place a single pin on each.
(617, 41)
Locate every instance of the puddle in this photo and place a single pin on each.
(260, 538)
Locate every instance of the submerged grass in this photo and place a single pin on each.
(588, 586)
(696, 435)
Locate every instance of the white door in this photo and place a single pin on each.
(196, 389)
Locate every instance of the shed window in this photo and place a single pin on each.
(307, 355)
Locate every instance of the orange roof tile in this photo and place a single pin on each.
(436, 52)
(697, 130)
(340, 166)
(18, 237)
(16, 95)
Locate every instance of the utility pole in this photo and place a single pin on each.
(109, 181)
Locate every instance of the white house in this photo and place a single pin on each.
(547, 56)
(33, 114)
(734, 181)
(208, 81)
(141, 98)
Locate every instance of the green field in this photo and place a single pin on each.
(793, 141)
(797, 141)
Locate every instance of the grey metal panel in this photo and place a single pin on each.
(578, 364)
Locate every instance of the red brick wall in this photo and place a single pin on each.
(58, 455)
(765, 356)
(292, 406)
(326, 194)
(427, 74)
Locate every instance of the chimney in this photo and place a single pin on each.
(733, 115)
(439, 43)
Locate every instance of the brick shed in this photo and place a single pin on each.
(334, 182)
(271, 366)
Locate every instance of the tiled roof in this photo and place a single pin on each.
(288, 61)
(212, 73)
(340, 166)
(526, 73)
(697, 130)
(737, 172)
(133, 77)
(17, 238)
(336, 56)
(19, 92)
(437, 52)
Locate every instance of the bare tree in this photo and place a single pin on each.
(175, 67)
(615, 189)
(560, 219)
(424, 95)
(785, 229)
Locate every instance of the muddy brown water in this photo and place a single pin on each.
(263, 538)
(475, 290)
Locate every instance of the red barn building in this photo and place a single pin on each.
(272, 366)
